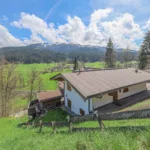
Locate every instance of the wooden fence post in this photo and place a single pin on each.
(27, 125)
(33, 124)
(54, 127)
(70, 124)
(41, 125)
(101, 125)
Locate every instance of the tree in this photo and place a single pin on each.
(33, 79)
(144, 50)
(110, 54)
(9, 80)
(76, 64)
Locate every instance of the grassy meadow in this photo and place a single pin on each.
(25, 69)
(14, 138)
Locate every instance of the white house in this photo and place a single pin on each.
(85, 91)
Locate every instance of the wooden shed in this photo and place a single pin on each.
(50, 99)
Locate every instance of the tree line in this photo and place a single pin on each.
(28, 55)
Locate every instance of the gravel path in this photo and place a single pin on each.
(19, 114)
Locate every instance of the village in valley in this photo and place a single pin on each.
(72, 90)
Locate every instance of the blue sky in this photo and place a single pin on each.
(86, 22)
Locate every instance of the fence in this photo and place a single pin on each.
(137, 114)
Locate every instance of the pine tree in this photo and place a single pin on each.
(144, 50)
(76, 64)
(110, 54)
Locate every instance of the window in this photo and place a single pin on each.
(125, 90)
(120, 90)
(82, 112)
(69, 103)
(68, 87)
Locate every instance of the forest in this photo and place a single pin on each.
(32, 54)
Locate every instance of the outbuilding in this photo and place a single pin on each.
(50, 99)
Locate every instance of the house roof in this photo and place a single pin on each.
(49, 95)
(92, 83)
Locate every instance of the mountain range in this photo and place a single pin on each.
(45, 52)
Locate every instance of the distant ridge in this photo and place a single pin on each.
(58, 52)
(64, 47)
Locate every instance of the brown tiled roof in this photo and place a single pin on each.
(49, 95)
(98, 82)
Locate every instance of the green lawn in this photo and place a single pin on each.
(95, 64)
(56, 115)
(14, 138)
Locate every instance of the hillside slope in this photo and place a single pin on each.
(14, 138)
(37, 53)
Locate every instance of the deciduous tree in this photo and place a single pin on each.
(9, 81)
(32, 80)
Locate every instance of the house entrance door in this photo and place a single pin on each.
(115, 95)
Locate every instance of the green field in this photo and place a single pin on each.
(24, 70)
(14, 138)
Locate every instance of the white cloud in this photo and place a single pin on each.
(72, 31)
(16, 24)
(147, 25)
(34, 38)
(123, 29)
(7, 39)
(37, 26)
(100, 14)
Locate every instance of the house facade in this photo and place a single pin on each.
(81, 106)
(75, 101)
(86, 91)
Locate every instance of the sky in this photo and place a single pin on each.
(85, 22)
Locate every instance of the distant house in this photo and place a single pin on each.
(85, 91)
